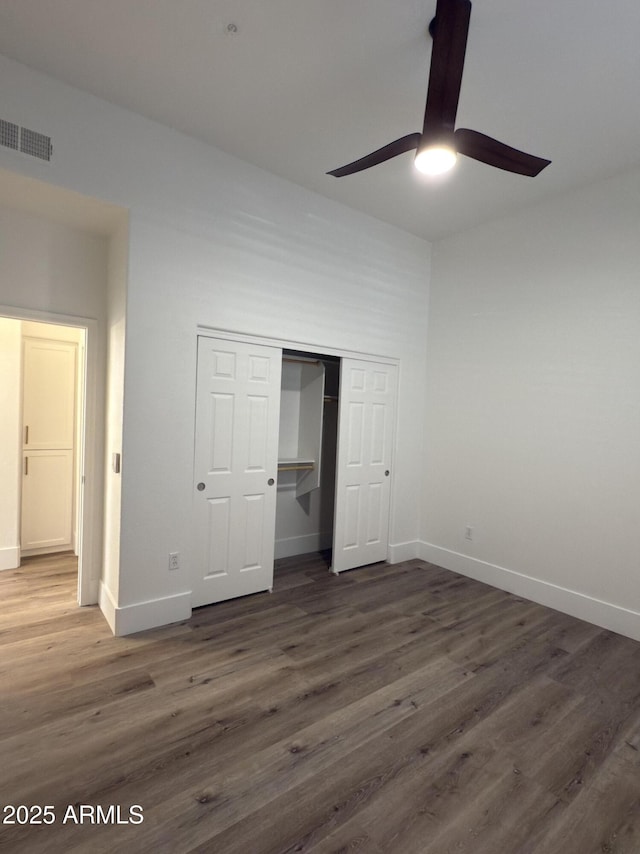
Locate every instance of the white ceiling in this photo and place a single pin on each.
(305, 86)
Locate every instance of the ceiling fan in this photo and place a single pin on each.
(440, 142)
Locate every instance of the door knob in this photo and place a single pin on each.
(386, 474)
(200, 486)
(271, 481)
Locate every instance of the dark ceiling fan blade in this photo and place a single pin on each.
(450, 29)
(494, 153)
(399, 146)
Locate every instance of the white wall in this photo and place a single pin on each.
(48, 266)
(217, 242)
(533, 404)
(53, 332)
(10, 421)
(280, 262)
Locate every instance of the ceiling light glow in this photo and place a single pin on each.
(435, 159)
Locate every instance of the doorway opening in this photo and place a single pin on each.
(43, 426)
(307, 447)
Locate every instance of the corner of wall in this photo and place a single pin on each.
(117, 285)
(141, 616)
(399, 552)
(107, 606)
(600, 613)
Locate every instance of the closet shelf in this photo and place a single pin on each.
(296, 465)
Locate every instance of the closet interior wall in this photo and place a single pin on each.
(307, 453)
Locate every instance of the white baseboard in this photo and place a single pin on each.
(108, 606)
(291, 546)
(46, 550)
(143, 615)
(10, 558)
(403, 551)
(605, 614)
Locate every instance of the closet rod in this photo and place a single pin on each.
(296, 467)
(301, 361)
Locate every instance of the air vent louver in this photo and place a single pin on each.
(27, 141)
(9, 134)
(36, 144)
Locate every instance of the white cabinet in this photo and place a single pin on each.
(49, 419)
(47, 500)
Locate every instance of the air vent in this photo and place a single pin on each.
(36, 144)
(9, 134)
(27, 141)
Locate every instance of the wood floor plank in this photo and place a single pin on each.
(381, 783)
(253, 783)
(604, 818)
(393, 708)
(348, 838)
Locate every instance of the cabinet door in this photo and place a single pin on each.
(236, 466)
(49, 391)
(48, 416)
(47, 499)
(363, 470)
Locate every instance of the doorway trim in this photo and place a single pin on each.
(89, 503)
(287, 344)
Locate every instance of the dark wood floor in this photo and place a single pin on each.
(393, 709)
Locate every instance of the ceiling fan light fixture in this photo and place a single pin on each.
(435, 159)
(440, 141)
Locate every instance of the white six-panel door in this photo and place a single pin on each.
(363, 468)
(235, 471)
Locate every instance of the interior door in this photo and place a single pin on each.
(48, 414)
(363, 468)
(236, 468)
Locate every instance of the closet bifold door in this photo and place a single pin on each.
(363, 471)
(235, 468)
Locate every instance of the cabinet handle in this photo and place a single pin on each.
(26, 465)
(26, 434)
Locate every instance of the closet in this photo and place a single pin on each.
(292, 454)
(306, 453)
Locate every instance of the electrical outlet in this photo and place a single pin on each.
(468, 533)
(174, 560)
